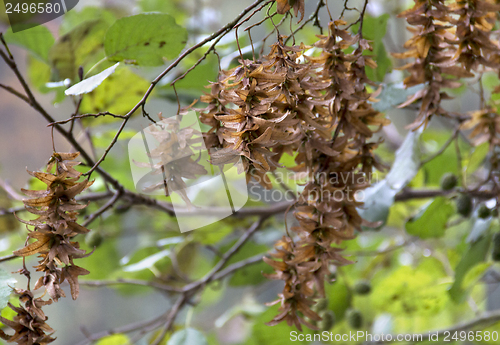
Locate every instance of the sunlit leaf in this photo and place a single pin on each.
(117, 94)
(475, 254)
(115, 339)
(431, 220)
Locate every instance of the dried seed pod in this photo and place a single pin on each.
(56, 225)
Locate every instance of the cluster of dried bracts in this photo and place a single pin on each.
(316, 107)
(454, 40)
(450, 41)
(54, 228)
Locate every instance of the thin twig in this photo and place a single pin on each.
(443, 148)
(81, 116)
(151, 284)
(223, 31)
(313, 16)
(103, 209)
(8, 258)
(14, 92)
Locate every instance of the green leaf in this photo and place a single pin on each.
(393, 95)
(89, 84)
(477, 157)
(264, 334)
(479, 227)
(173, 7)
(410, 291)
(374, 30)
(407, 162)
(433, 140)
(377, 201)
(145, 39)
(475, 273)
(104, 261)
(196, 80)
(37, 40)
(187, 336)
(74, 18)
(115, 339)
(475, 254)
(39, 74)
(6, 284)
(82, 46)
(431, 220)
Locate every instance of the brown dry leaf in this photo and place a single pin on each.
(282, 6)
(43, 243)
(71, 273)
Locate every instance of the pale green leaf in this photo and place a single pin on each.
(407, 162)
(477, 157)
(187, 336)
(37, 40)
(6, 284)
(431, 220)
(393, 95)
(380, 197)
(479, 227)
(476, 253)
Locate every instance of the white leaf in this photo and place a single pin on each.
(89, 84)
(147, 262)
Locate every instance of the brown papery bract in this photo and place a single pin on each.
(316, 107)
(56, 225)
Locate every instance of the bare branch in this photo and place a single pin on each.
(8, 258)
(152, 284)
(103, 209)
